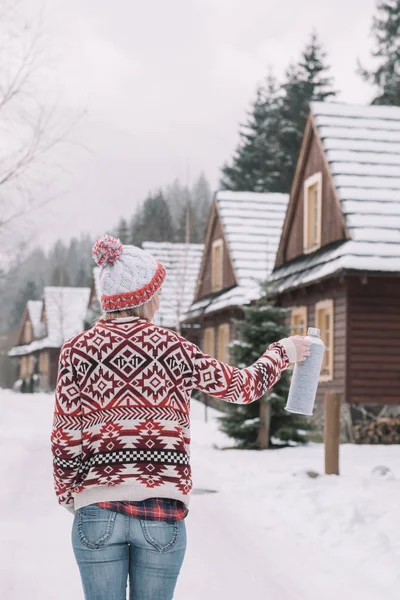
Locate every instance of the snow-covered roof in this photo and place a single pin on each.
(252, 224)
(34, 308)
(362, 146)
(182, 263)
(96, 279)
(235, 297)
(65, 309)
(65, 312)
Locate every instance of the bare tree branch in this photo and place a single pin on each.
(31, 131)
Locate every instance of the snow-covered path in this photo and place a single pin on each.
(265, 534)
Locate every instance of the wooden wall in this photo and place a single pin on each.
(374, 340)
(219, 318)
(228, 275)
(215, 320)
(336, 290)
(332, 228)
(54, 354)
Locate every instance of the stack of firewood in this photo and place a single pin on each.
(381, 431)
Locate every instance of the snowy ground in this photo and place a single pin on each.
(269, 533)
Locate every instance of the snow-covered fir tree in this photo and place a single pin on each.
(255, 164)
(123, 231)
(177, 197)
(153, 222)
(253, 425)
(201, 197)
(305, 81)
(265, 159)
(386, 75)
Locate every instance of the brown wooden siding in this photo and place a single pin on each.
(309, 297)
(228, 275)
(215, 320)
(332, 219)
(374, 341)
(54, 354)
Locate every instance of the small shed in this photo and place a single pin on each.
(338, 262)
(243, 234)
(62, 313)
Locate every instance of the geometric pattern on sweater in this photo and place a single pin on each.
(133, 412)
(122, 406)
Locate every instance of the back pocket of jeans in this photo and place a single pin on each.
(162, 535)
(95, 525)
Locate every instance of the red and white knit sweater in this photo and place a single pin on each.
(121, 428)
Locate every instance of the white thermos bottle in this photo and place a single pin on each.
(303, 388)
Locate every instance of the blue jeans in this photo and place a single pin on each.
(111, 547)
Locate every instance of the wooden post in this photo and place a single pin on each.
(265, 425)
(205, 401)
(332, 432)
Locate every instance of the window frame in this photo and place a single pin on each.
(27, 335)
(44, 362)
(223, 353)
(206, 344)
(299, 311)
(315, 179)
(217, 275)
(321, 306)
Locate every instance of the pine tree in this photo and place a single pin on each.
(255, 165)
(266, 157)
(253, 425)
(155, 222)
(135, 227)
(82, 279)
(188, 226)
(123, 231)
(306, 81)
(177, 196)
(60, 276)
(201, 199)
(386, 76)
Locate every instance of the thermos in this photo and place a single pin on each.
(303, 388)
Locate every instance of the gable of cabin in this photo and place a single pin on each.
(26, 335)
(216, 271)
(314, 218)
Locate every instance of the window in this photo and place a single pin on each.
(31, 364)
(24, 366)
(217, 259)
(298, 324)
(27, 337)
(324, 322)
(44, 362)
(223, 342)
(209, 341)
(312, 212)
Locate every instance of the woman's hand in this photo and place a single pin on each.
(297, 347)
(303, 347)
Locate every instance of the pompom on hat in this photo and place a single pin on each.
(129, 277)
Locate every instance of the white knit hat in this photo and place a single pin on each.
(129, 277)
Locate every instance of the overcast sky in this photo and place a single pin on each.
(166, 84)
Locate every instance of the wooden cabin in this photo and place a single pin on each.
(242, 238)
(182, 263)
(338, 263)
(45, 327)
(30, 330)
